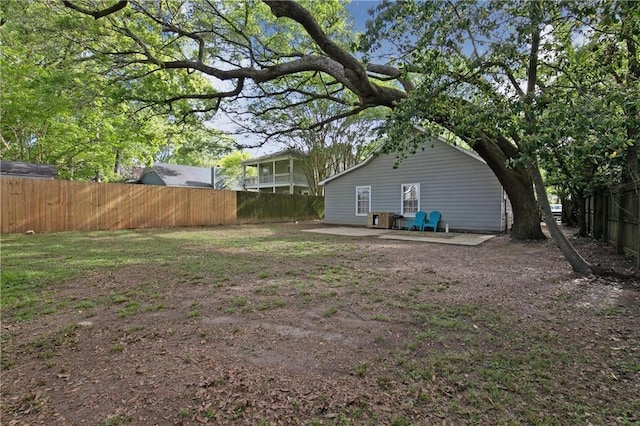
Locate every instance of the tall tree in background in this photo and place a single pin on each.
(232, 169)
(590, 122)
(199, 147)
(325, 149)
(624, 66)
(57, 109)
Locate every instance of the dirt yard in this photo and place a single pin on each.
(268, 325)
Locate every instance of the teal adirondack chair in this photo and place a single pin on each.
(434, 218)
(418, 221)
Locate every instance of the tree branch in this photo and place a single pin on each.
(393, 73)
(99, 13)
(200, 96)
(352, 69)
(340, 116)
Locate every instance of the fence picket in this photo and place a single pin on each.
(55, 205)
(613, 217)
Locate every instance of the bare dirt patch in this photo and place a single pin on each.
(270, 325)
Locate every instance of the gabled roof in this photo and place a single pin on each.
(32, 170)
(375, 154)
(179, 175)
(285, 153)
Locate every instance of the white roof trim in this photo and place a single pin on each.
(372, 156)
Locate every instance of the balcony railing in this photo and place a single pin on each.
(277, 179)
(283, 178)
(250, 181)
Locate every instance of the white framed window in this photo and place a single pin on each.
(410, 199)
(363, 200)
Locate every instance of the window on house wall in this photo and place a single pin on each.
(363, 200)
(410, 199)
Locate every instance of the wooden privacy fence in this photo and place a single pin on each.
(613, 217)
(57, 205)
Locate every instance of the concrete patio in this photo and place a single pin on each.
(463, 239)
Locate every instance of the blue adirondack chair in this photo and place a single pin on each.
(418, 221)
(434, 218)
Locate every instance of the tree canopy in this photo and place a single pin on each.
(59, 108)
(591, 119)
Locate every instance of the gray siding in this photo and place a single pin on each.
(460, 186)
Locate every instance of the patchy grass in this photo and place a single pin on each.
(331, 311)
(251, 325)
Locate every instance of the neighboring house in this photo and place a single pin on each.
(177, 175)
(452, 180)
(27, 170)
(279, 172)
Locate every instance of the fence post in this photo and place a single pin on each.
(606, 201)
(593, 204)
(620, 218)
(596, 216)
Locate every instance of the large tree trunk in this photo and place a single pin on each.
(526, 216)
(578, 263)
(117, 165)
(518, 185)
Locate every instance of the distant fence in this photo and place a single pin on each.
(613, 217)
(256, 207)
(44, 205)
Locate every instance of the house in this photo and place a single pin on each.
(182, 176)
(27, 170)
(279, 172)
(443, 177)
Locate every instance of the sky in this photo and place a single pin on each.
(359, 13)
